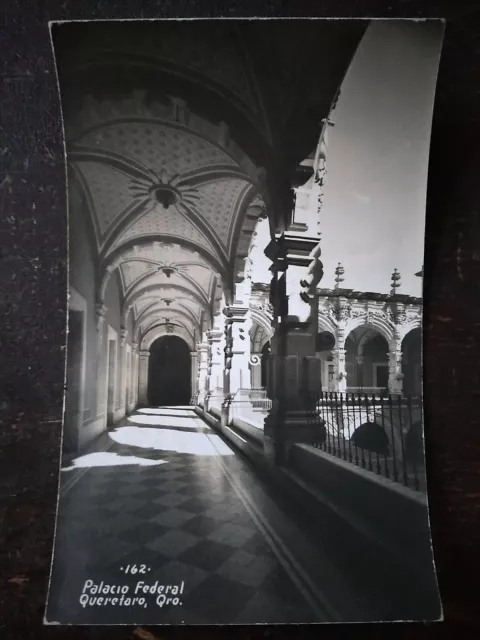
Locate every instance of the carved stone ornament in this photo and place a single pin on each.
(398, 316)
(255, 360)
(343, 312)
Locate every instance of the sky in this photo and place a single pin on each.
(373, 216)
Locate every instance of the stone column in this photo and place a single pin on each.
(143, 377)
(237, 349)
(101, 408)
(202, 357)
(295, 371)
(342, 312)
(122, 383)
(395, 375)
(214, 379)
(359, 380)
(193, 374)
(134, 376)
(340, 371)
(256, 370)
(237, 354)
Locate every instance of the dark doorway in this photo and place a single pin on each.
(169, 372)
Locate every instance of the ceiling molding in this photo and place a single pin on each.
(115, 257)
(129, 301)
(148, 274)
(166, 311)
(121, 163)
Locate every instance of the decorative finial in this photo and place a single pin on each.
(339, 271)
(396, 281)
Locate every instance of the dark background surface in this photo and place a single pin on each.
(33, 279)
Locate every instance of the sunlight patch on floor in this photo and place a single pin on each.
(181, 412)
(197, 444)
(166, 421)
(109, 459)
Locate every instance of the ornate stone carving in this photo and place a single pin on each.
(100, 311)
(397, 315)
(343, 312)
(255, 359)
(123, 337)
(314, 275)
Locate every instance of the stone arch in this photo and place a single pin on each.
(155, 307)
(118, 255)
(366, 358)
(371, 436)
(326, 324)
(148, 337)
(148, 274)
(262, 319)
(136, 295)
(177, 316)
(259, 336)
(177, 323)
(374, 321)
(250, 211)
(409, 326)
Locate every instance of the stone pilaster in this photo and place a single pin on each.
(342, 310)
(134, 384)
(295, 371)
(395, 375)
(122, 383)
(214, 381)
(256, 370)
(237, 354)
(100, 311)
(340, 371)
(193, 374)
(237, 349)
(202, 357)
(143, 377)
(359, 381)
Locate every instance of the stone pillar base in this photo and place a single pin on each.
(294, 426)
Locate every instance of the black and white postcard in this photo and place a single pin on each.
(243, 418)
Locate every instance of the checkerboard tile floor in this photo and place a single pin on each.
(184, 521)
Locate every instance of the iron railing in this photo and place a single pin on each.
(381, 433)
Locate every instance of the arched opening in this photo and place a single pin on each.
(366, 360)
(412, 363)
(371, 437)
(324, 345)
(169, 372)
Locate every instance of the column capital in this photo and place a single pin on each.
(236, 313)
(214, 335)
(193, 354)
(144, 353)
(134, 347)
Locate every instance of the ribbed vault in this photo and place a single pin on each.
(177, 151)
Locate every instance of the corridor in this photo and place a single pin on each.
(169, 494)
(164, 491)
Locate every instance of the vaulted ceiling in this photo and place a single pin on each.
(180, 135)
